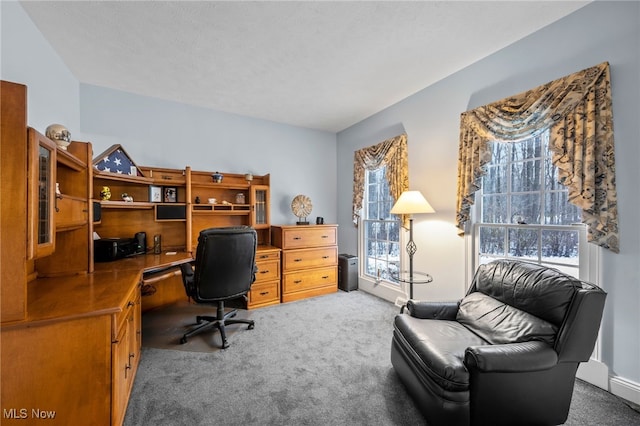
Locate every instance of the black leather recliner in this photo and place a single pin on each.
(506, 354)
(225, 268)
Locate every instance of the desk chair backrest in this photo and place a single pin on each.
(225, 264)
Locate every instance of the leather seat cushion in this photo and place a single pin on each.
(438, 347)
(499, 323)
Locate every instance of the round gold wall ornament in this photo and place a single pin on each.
(301, 206)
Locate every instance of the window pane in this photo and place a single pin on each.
(372, 211)
(525, 208)
(559, 211)
(381, 228)
(492, 241)
(523, 243)
(551, 176)
(494, 209)
(525, 176)
(530, 148)
(495, 181)
(560, 246)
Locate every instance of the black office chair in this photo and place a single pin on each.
(224, 269)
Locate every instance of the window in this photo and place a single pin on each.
(381, 229)
(523, 210)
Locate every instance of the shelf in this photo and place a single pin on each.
(70, 160)
(97, 174)
(225, 208)
(211, 185)
(140, 205)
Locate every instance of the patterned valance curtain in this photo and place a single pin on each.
(393, 154)
(577, 111)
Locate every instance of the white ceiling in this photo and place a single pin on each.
(316, 64)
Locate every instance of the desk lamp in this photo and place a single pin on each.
(409, 203)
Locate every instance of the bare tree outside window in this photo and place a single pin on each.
(381, 228)
(524, 212)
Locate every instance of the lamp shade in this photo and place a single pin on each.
(411, 202)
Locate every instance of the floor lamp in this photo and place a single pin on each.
(410, 203)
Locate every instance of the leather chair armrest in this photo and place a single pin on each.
(511, 357)
(433, 310)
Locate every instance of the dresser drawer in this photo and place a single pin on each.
(303, 237)
(309, 258)
(267, 255)
(268, 270)
(262, 294)
(303, 280)
(126, 314)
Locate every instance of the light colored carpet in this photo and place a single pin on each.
(320, 361)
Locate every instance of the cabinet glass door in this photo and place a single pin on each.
(42, 178)
(259, 206)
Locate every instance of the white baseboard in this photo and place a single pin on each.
(594, 372)
(625, 389)
(400, 301)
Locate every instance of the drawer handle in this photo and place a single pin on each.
(325, 257)
(264, 256)
(264, 293)
(324, 277)
(263, 271)
(297, 260)
(130, 303)
(297, 281)
(297, 238)
(325, 236)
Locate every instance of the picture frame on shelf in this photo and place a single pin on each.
(169, 194)
(155, 194)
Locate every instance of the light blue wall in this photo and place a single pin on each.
(601, 31)
(169, 134)
(27, 58)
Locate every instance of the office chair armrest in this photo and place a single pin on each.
(187, 278)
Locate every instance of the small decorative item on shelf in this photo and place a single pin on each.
(248, 177)
(170, 194)
(126, 197)
(226, 203)
(240, 198)
(59, 134)
(217, 177)
(212, 201)
(301, 206)
(197, 200)
(155, 194)
(58, 192)
(105, 193)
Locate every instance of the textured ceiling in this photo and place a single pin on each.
(316, 64)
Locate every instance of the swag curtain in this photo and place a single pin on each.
(393, 154)
(577, 110)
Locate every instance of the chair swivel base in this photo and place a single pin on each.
(219, 322)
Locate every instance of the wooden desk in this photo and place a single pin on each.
(75, 354)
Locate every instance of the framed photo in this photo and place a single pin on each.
(155, 194)
(169, 194)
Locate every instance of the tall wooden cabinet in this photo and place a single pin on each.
(66, 332)
(13, 201)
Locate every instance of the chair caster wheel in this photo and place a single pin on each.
(250, 327)
(183, 340)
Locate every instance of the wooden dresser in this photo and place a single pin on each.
(309, 260)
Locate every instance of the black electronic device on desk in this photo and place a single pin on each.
(109, 249)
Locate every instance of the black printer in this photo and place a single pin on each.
(108, 249)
